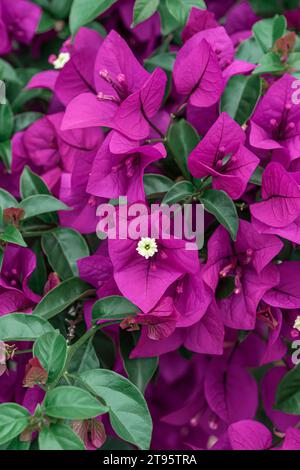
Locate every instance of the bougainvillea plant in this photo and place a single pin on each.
(113, 342)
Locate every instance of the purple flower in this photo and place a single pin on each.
(222, 155)
(276, 121)
(50, 151)
(245, 435)
(225, 382)
(286, 293)
(199, 20)
(278, 212)
(126, 97)
(17, 266)
(197, 73)
(247, 263)
(115, 175)
(144, 278)
(18, 21)
(205, 335)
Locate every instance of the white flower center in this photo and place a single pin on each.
(61, 60)
(147, 247)
(297, 323)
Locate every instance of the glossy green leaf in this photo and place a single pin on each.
(6, 122)
(180, 9)
(84, 11)
(113, 307)
(165, 61)
(168, 22)
(23, 327)
(70, 402)
(288, 392)
(41, 204)
(179, 192)
(85, 358)
(241, 96)
(140, 370)
(182, 139)
(128, 411)
(59, 436)
(5, 153)
(143, 9)
(39, 276)
(32, 184)
(155, 184)
(63, 247)
(12, 235)
(8, 73)
(105, 349)
(13, 420)
(61, 297)
(270, 63)
(267, 31)
(51, 350)
(249, 51)
(222, 207)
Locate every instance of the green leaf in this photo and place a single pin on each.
(256, 177)
(105, 349)
(241, 96)
(12, 235)
(24, 120)
(84, 11)
(288, 392)
(143, 9)
(155, 184)
(41, 204)
(269, 63)
(8, 73)
(165, 61)
(13, 420)
(61, 297)
(180, 9)
(168, 22)
(70, 402)
(32, 184)
(59, 436)
(23, 327)
(39, 276)
(51, 350)
(46, 23)
(222, 207)
(267, 31)
(85, 358)
(16, 444)
(113, 307)
(6, 122)
(7, 200)
(250, 51)
(128, 411)
(271, 7)
(182, 139)
(140, 370)
(178, 192)
(5, 153)
(63, 247)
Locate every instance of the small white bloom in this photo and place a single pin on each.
(297, 323)
(61, 60)
(147, 247)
